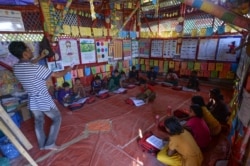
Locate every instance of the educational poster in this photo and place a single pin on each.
(226, 48)
(55, 66)
(188, 48)
(156, 48)
(144, 48)
(207, 49)
(88, 54)
(169, 48)
(69, 51)
(11, 20)
(126, 44)
(102, 50)
(4, 49)
(118, 49)
(135, 48)
(6, 56)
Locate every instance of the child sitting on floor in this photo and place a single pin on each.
(97, 85)
(78, 89)
(172, 77)
(182, 149)
(123, 80)
(114, 82)
(65, 94)
(147, 94)
(193, 82)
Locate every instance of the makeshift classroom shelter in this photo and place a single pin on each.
(98, 36)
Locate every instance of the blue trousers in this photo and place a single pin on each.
(56, 118)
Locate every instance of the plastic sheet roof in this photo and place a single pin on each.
(17, 2)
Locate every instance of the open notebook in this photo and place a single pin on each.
(120, 90)
(156, 142)
(137, 102)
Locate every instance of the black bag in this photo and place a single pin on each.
(44, 44)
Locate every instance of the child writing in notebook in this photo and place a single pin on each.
(147, 93)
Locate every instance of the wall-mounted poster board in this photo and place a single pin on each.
(156, 48)
(188, 48)
(135, 48)
(144, 48)
(101, 50)
(169, 48)
(207, 49)
(69, 51)
(126, 44)
(118, 49)
(4, 52)
(226, 48)
(11, 20)
(88, 54)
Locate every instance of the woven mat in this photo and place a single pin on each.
(99, 126)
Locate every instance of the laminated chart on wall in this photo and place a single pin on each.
(226, 48)
(188, 48)
(184, 65)
(118, 50)
(171, 64)
(207, 49)
(127, 50)
(165, 66)
(156, 48)
(101, 50)
(87, 49)
(197, 66)
(161, 66)
(59, 81)
(135, 48)
(169, 48)
(55, 66)
(177, 65)
(211, 66)
(68, 78)
(69, 51)
(87, 71)
(204, 66)
(144, 48)
(80, 73)
(219, 66)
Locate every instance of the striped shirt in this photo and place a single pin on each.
(33, 79)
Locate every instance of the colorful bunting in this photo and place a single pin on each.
(87, 71)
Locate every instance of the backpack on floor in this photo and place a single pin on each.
(147, 147)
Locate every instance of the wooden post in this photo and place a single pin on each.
(14, 129)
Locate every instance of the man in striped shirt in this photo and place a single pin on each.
(33, 78)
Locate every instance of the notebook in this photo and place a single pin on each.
(156, 142)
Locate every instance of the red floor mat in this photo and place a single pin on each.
(104, 133)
